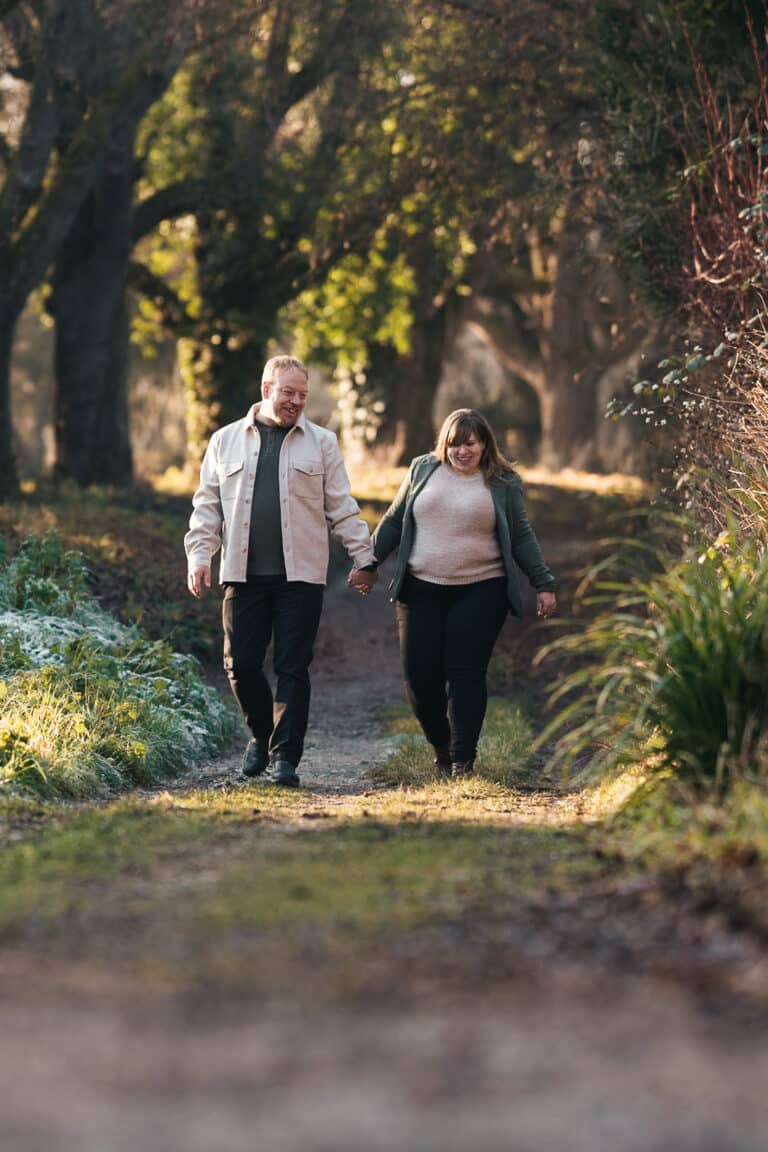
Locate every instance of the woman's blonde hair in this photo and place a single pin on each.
(457, 429)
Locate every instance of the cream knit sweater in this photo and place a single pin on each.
(455, 541)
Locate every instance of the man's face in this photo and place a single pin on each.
(288, 395)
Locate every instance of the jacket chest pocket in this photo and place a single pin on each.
(230, 473)
(306, 479)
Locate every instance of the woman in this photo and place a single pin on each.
(459, 521)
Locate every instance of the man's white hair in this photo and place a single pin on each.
(277, 364)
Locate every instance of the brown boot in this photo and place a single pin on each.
(462, 768)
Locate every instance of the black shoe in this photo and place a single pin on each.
(255, 758)
(283, 772)
(462, 768)
(442, 761)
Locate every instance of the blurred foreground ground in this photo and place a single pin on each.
(450, 968)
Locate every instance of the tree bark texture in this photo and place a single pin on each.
(9, 484)
(89, 304)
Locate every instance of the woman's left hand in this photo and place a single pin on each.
(546, 604)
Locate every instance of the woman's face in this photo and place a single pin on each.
(465, 456)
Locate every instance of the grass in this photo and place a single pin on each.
(503, 756)
(665, 822)
(313, 896)
(52, 873)
(258, 856)
(252, 889)
(88, 704)
(675, 667)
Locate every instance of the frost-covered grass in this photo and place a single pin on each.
(89, 704)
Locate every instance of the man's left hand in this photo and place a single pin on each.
(362, 582)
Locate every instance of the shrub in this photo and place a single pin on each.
(676, 673)
(45, 576)
(89, 704)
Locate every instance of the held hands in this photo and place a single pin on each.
(546, 604)
(198, 580)
(362, 582)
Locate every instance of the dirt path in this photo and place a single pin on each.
(558, 1047)
(355, 671)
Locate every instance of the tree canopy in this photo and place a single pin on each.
(364, 184)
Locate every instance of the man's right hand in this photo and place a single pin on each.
(199, 579)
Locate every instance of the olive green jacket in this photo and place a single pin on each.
(517, 540)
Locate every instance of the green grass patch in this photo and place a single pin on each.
(665, 823)
(504, 752)
(50, 874)
(374, 876)
(188, 882)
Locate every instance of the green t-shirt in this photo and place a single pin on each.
(265, 540)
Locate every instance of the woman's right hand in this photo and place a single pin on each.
(546, 604)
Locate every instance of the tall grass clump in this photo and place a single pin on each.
(675, 675)
(503, 753)
(88, 704)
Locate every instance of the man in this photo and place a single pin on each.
(271, 485)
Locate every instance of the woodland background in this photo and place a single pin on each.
(521, 206)
(555, 211)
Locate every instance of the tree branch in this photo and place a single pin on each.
(173, 311)
(40, 240)
(167, 204)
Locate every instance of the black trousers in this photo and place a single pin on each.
(447, 634)
(252, 614)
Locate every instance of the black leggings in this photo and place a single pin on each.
(447, 633)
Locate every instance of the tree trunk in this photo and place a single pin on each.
(413, 380)
(112, 453)
(89, 304)
(9, 481)
(221, 384)
(417, 384)
(576, 340)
